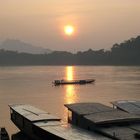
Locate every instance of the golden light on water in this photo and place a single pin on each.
(70, 94)
(69, 97)
(69, 72)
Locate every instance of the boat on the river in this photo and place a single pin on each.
(121, 123)
(86, 121)
(64, 82)
(41, 125)
(3, 134)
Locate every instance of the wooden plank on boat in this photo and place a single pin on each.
(23, 107)
(118, 132)
(69, 132)
(128, 106)
(87, 108)
(135, 127)
(111, 117)
(33, 114)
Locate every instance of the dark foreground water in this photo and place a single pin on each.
(33, 85)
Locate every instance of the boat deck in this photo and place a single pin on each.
(33, 114)
(70, 132)
(119, 132)
(132, 107)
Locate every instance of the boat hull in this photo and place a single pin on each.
(80, 82)
(3, 134)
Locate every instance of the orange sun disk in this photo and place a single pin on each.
(69, 30)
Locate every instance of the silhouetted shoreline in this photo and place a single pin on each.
(123, 54)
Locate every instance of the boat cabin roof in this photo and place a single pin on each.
(87, 108)
(98, 113)
(111, 117)
(130, 106)
(32, 114)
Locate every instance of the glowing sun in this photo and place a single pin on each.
(69, 30)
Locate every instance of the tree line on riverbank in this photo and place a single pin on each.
(126, 53)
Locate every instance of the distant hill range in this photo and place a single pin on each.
(17, 45)
(125, 54)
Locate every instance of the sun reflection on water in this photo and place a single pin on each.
(69, 72)
(70, 95)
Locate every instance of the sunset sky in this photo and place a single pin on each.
(96, 23)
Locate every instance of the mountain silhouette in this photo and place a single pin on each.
(20, 46)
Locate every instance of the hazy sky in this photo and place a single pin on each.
(98, 23)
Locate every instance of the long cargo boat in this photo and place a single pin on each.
(114, 123)
(86, 121)
(40, 125)
(81, 82)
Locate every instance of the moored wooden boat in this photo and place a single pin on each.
(41, 125)
(87, 121)
(113, 123)
(63, 82)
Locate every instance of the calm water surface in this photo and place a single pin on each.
(33, 85)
